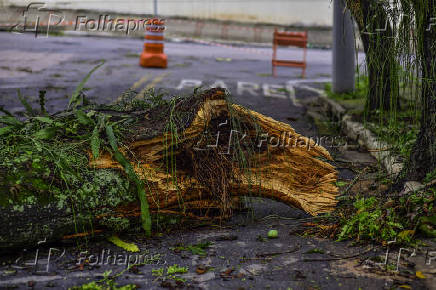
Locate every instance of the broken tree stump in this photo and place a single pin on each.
(290, 171)
(192, 153)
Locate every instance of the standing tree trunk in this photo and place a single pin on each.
(379, 46)
(423, 157)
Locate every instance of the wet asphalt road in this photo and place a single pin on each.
(237, 258)
(57, 64)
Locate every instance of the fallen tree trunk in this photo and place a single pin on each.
(191, 153)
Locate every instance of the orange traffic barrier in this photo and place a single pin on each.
(298, 39)
(153, 54)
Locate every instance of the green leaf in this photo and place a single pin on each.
(315, 251)
(46, 120)
(91, 113)
(158, 272)
(83, 118)
(406, 235)
(74, 100)
(197, 251)
(119, 157)
(45, 134)
(95, 143)
(427, 230)
(341, 183)
(6, 130)
(27, 106)
(111, 137)
(176, 269)
(10, 120)
(130, 247)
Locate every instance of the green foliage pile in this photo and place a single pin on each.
(45, 159)
(400, 219)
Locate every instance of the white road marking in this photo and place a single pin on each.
(219, 84)
(251, 88)
(286, 91)
(274, 91)
(189, 84)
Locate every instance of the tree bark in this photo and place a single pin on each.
(379, 46)
(423, 156)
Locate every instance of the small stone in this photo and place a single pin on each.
(410, 186)
(204, 278)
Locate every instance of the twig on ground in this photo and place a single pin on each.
(80, 235)
(337, 258)
(354, 181)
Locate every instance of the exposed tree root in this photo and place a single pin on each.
(292, 172)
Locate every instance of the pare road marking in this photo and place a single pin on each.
(286, 91)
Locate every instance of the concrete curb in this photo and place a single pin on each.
(357, 132)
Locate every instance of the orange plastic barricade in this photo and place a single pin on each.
(153, 54)
(298, 39)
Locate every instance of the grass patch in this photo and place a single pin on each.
(398, 129)
(360, 91)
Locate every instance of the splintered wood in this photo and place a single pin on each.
(277, 163)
